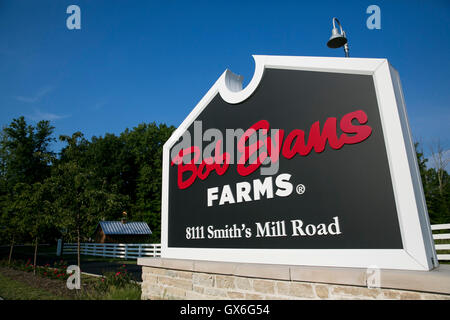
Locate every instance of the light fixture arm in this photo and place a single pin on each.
(340, 26)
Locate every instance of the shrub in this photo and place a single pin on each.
(115, 286)
(58, 271)
(117, 279)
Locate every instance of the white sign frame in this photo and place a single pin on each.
(419, 252)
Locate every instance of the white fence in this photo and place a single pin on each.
(115, 250)
(441, 236)
(136, 250)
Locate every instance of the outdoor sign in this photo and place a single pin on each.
(311, 164)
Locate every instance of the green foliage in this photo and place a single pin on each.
(130, 291)
(79, 203)
(58, 271)
(26, 157)
(89, 181)
(111, 174)
(117, 279)
(34, 209)
(115, 286)
(24, 166)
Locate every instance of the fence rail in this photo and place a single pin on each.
(115, 250)
(441, 236)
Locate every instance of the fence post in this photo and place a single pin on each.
(154, 250)
(126, 251)
(59, 248)
(140, 250)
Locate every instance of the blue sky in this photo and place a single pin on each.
(145, 61)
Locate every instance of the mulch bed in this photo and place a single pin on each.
(57, 287)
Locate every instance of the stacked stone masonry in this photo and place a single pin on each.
(164, 283)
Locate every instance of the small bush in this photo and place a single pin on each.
(58, 271)
(117, 279)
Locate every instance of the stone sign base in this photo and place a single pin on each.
(201, 280)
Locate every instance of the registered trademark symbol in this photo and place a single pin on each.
(300, 189)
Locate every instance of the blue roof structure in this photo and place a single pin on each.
(131, 228)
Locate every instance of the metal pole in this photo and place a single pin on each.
(347, 54)
(346, 49)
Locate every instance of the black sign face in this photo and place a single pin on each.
(332, 188)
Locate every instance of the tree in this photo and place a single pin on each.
(35, 212)
(130, 166)
(436, 187)
(25, 158)
(79, 200)
(25, 151)
(9, 221)
(440, 161)
(145, 142)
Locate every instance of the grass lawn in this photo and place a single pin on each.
(16, 290)
(16, 284)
